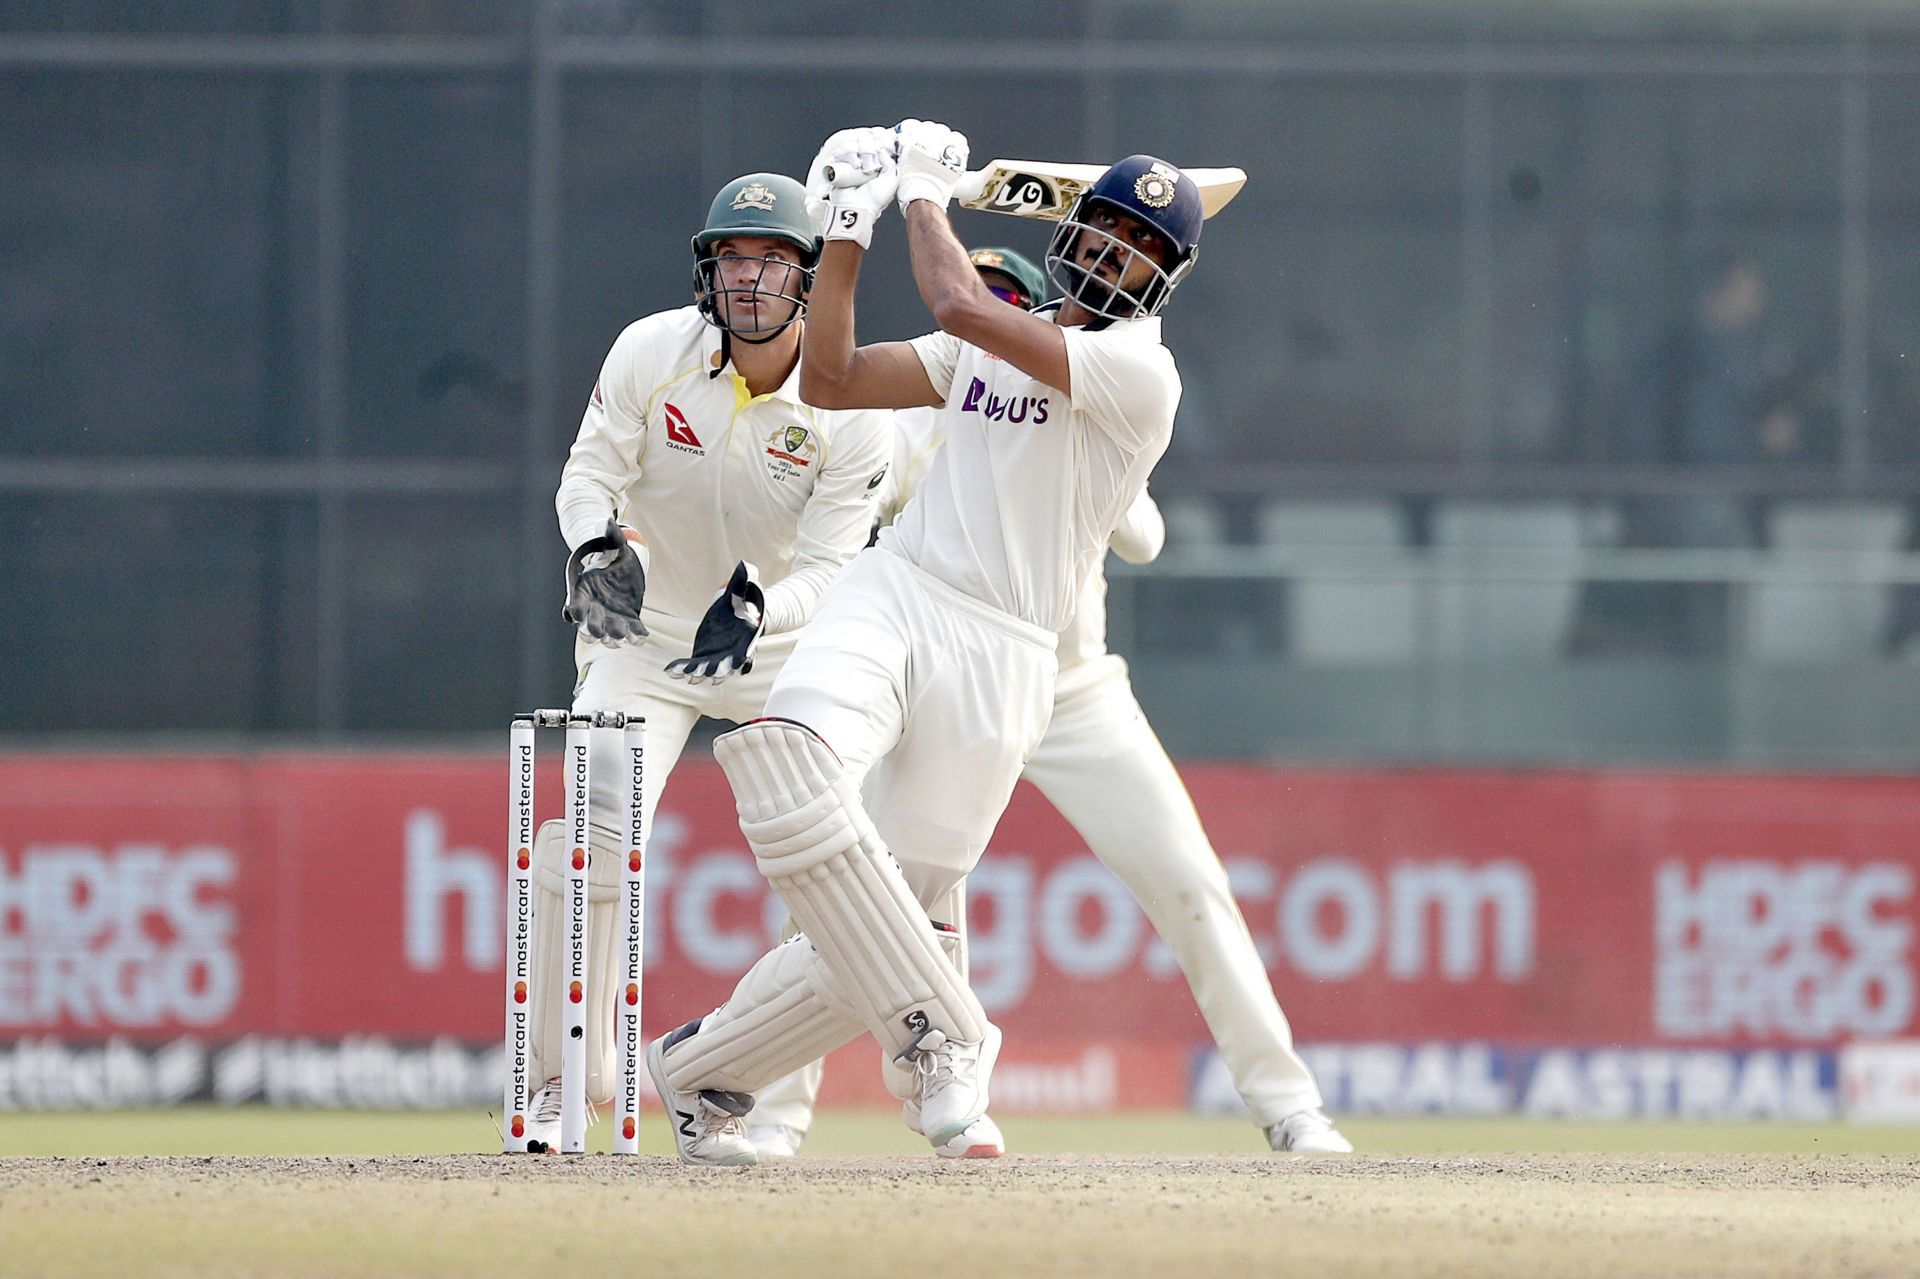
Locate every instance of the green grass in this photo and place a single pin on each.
(211, 1130)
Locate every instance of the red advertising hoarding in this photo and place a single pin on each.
(326, 897)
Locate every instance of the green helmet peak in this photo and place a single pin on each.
(1015, 267)
(768, 204)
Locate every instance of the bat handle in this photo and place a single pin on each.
(967, 188)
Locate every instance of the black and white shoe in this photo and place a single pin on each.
(543, 1119)
(709, 1125)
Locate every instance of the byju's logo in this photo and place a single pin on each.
(1014, 408)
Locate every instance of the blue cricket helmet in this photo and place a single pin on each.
(1154, 192)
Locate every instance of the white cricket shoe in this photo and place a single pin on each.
(953, 1082)
(543, 1119)
(708, 1127)
(775, 1141)
(1308, 1132)
(981, 1139)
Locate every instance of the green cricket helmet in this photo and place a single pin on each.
(769, 205)
(1029, 285)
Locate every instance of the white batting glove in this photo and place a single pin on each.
(851, 182)
(932, 158)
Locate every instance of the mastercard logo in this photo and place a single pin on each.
(633, 993)
(519, 1126)
(579, 859)
(633, 860)
(523, 859)
(627, 1128)
(574, 992)
(519, 992)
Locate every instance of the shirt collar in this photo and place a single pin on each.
(710, 347)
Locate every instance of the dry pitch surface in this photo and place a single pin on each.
(1168, 1214)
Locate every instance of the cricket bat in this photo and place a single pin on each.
(1045, 189)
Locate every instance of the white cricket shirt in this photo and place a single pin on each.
(711, 475)
(1138, 538)
(1017, 506)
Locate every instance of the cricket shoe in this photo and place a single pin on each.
(980, 1139)
(708, 1124)
(1308, 1132)
(775, 1141)
(953, 1082)
(543, 1119)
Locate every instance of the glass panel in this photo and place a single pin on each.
(168, 617)
(143, 237)
(436, 232)
(145, 17)
(626, 17)
(1893, 272)
(977, 19)
(1699, 273)
(628, 214)
(254, 17)
(430, 637)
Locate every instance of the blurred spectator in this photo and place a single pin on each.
(1730, 386)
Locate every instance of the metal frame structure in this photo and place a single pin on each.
(548, 59)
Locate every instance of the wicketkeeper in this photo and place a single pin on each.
(698, 469)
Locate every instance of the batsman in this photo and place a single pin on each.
(896, 731)
(697, 469)
(1101, 765)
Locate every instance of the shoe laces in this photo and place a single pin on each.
(546, 1104)
(717, 1120)
(941, 1062)
(1304, 1123)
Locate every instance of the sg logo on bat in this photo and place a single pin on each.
(1025, 195)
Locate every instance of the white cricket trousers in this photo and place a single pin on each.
(931, 700)
(1101, 765)
(935, 700)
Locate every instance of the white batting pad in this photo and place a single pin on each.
(786, 1012)
(547, 993)
(817, 847)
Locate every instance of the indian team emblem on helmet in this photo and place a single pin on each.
(1156, 186)
(790, 451)
(756, 195)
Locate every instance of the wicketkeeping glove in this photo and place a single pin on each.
(606, 580)
(932, 158)
(723, 643)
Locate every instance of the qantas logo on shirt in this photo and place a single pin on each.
(680, 435)
(1015, 408)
